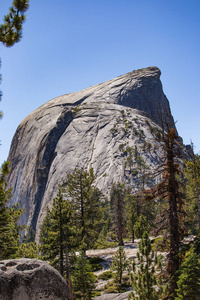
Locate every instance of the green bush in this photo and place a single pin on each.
(96, 293)
(111, 287)
(106, 275)
(114, 287)
(103, 244)
(158, 245)
(95, 263)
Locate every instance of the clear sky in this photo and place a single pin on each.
(70, 45)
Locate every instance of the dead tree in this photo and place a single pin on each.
(169, 190)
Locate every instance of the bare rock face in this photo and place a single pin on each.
(31, 279)
(103, 127)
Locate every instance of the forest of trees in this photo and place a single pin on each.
(82, 218)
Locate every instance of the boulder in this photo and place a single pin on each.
(31, 279)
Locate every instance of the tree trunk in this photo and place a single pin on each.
(173, 255)
(133, 236)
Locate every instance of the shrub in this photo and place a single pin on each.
(95, 263)
(106, 275)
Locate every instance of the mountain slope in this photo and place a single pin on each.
(105, 127)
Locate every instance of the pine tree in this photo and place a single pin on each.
(120, 264)
(9, 217)
(5, 195)
(57, 234)
(11, 29)
(86, 200)
(117, 200)
(169, 191)
(192, 176)
(28, 250)
(144, 174)
(138, 212)
(83, 279)
(145, 279)
(132, 213)
(141, 225)
(189, 279)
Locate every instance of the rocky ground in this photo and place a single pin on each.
(131, 250)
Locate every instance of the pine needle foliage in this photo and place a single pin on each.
(57, 234)
(11, 29)
(83, 279)
(120, 264)
(28, 250)
(145, 278)
(189, 280)
(192, 177)
(140, 215)
(87, 202)
(9, 217)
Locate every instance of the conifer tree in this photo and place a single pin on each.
(28, 250)
(85, 200)
(139, 215)
(189, 279)
(145, 278)
(192, 176)
(57, 234)
(83, 279)
(117, 200)
(120, 264)
(169, 191)
(4, 215)
(9, 217)
(141, 225)
(11, 29)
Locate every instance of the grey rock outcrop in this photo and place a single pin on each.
(113, 296)
(31, 279)
(100, 127)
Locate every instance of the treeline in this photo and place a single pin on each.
(81, 218)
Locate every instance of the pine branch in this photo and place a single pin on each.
(11, 29)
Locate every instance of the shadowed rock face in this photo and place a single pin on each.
(31, 279)
(90, 128)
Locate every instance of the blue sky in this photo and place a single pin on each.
(70, 45)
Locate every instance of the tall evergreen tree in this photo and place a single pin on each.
(169, 190)
(138, 212)
(5, 195)
(9, 217)
(85, 200)
(57, 234)
(192, 176)
(120, 264)
(117, 200)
